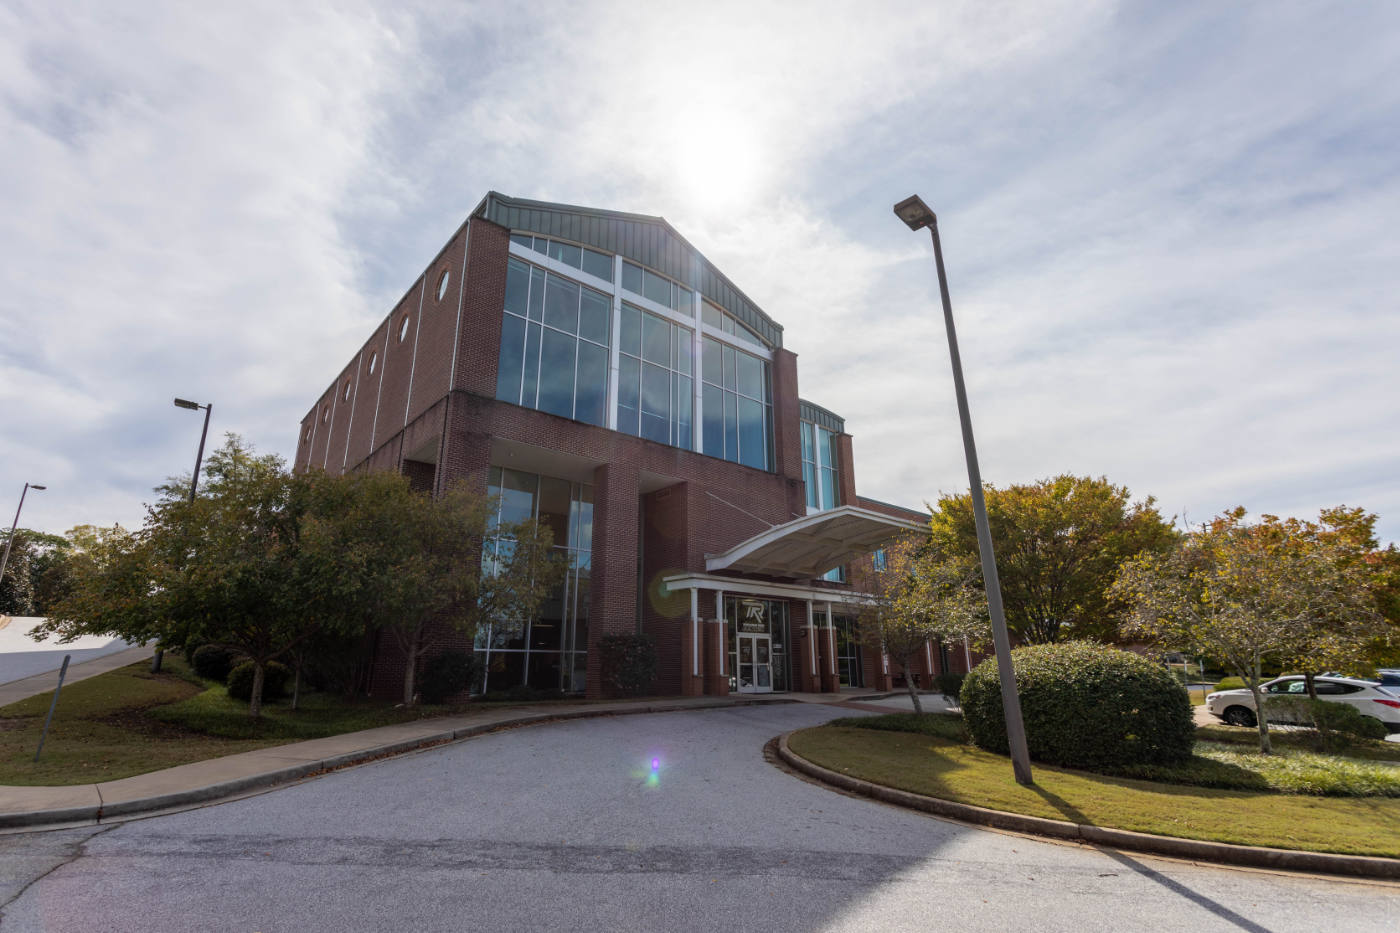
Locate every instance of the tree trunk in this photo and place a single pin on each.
(255, 701)
(1312, 684)
(296, 686)
(410, 666)
(1260, 719)
(909, 683)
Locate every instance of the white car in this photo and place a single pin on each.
(1369, 698)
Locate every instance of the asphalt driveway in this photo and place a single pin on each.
(658, 822)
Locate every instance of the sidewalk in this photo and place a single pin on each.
(17, 690)
(204, 781)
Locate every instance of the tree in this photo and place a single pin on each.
(1242, 593)
(227, 568)
(1058, 543)
(35, 566)
(919, 597)
(406, 562)
(1349, 641)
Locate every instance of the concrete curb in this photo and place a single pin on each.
(70, 816)
(1357, 866)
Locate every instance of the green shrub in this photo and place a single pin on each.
(1331, 726)
(275, 677)
(1229, 683)
(522, 693)
(949, 684)
(1084, 705)
(447, 675)
(213, 662)
(627, 662)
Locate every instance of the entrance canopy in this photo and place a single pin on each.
(810, 546)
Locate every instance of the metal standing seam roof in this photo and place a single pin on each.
(649, 241)
(810, 546)
(822, 416)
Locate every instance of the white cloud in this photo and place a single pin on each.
(1167, 229)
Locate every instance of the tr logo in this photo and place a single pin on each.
(754, 611)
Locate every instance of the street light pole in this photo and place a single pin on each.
(194, 486)
(916, 214)
(9, 542)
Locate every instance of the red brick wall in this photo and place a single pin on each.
(613, 610)
(362, 426)
(479, 346)
(665, 550)
(845, 470)
(436, 328)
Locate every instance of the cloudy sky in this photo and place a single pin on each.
(1170, 229)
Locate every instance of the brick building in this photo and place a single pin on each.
(593, 370)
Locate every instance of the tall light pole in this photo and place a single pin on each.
(194, 485)
(11, 539)
(917, 215)
(199, 457)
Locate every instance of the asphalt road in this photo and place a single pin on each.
(570, 826)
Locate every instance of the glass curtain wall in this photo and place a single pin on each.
(554, 356)
(819, 476)
(555, 336)
(655, 395)
(738, 405)
(768, 616)
(848, 656)
(550, 651)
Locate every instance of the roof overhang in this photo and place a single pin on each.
(808, 547)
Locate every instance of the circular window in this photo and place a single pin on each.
(373, 359)
(403, 329)
(442, 284)
(346, 396)
(306, 438)
(325, 414)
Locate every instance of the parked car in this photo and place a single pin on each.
(1389, 677)
(1369, 698)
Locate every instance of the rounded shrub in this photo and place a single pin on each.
(275, 678)
(447, 675)
(213, 662)
(949, 683)
(1085, 705)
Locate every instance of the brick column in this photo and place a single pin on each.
(613, 610)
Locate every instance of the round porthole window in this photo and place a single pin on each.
(403, 328)
(325, 414)
(373, 359)
(442, 284)
(306, 438)
(346, 396)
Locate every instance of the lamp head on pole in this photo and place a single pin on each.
(186, 403)
(914, 212)
(37, 486)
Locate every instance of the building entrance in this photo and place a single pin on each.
(755, 663)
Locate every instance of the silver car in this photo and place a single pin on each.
(1369, 698)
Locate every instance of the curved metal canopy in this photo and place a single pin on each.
(809, 546)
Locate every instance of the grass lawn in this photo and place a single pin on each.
(130, 721)
(940, 767)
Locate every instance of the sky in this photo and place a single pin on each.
(1170, 229)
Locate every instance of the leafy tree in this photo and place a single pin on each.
(405, 562)
(919, 597)
(227, 569)
(36, 563)
(1243, 593)
(1059, 543)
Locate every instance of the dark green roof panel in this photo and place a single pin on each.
(819, 415)
(650, 241)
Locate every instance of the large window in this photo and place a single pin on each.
(550, 650)
(554, 345)
(658, 288)
(738, 405)
(580, 257)
(716, 318)
(819, 467)
(655, 395)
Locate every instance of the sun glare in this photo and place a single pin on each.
(720, 170)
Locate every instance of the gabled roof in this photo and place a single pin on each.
(650, 241)
(808, 547)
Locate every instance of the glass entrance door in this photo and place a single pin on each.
(755, 663)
